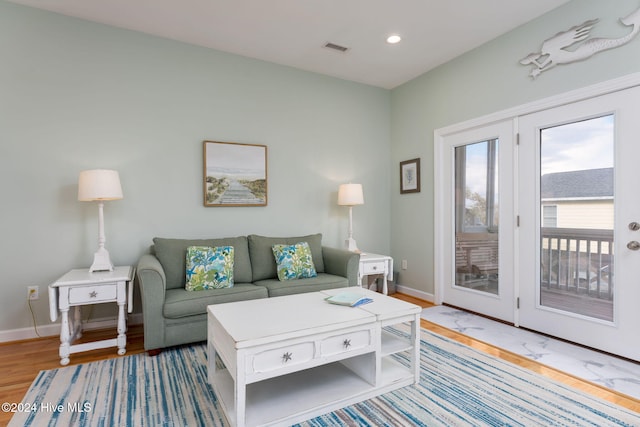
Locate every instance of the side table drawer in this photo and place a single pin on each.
(283, 357)
(93, 294)
(377, 267)
(345, 342)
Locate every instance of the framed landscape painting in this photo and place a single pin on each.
(235, 174)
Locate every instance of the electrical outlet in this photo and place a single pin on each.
(33, 292)
(404, 264)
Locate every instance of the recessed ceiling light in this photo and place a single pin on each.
(393, 39)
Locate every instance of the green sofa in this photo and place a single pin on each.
(174, 316)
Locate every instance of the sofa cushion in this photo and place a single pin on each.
(263, 263)
(322, 281)
(294, 261)
(172, 256)
(209, 268)
(182, 303)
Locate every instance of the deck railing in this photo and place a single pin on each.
(578, 261)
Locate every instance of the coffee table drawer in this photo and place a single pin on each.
(283, 357)
(346, 342)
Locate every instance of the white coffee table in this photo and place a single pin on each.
(288, 359)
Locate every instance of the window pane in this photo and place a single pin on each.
(549, 216)
(477, 219)
(577, 209)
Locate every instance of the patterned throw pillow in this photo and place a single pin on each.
(294, 261)
(209, 268)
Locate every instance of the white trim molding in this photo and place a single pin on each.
(403, 289)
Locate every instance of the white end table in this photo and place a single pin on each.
(376, 264)
(81, 287)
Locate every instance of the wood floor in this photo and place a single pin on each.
(21, 361)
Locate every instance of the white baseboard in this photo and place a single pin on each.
(415, 293)
(53, 329)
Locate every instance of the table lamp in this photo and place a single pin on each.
(350, 195)
(100, 185)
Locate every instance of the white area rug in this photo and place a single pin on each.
(599, 368)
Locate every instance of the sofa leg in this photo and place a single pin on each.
(154, 352)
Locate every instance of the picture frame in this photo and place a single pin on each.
(410, 176)
(234, 174)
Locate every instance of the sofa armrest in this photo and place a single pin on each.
(341, 263)
(152, 282)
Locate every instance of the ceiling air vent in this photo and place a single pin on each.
(337, 47)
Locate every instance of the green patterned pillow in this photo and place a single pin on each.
(294, 261)
(209, 268)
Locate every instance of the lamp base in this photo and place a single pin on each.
(351, 245)
(101, 261)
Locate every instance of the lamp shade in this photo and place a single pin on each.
(99, 184)
(350, 195)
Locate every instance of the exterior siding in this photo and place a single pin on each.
(571, 214)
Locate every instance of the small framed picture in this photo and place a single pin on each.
(410, 176)
(234, 174)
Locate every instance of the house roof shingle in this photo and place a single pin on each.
(584, 184)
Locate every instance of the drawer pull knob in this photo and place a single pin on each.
(93, 294)
(287, 357)
(375, 267)
(346, 343)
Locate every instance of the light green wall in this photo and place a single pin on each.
(483, 81)
(77, 95)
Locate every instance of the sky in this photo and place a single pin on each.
(578, 146)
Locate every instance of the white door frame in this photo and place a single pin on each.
(442, 259)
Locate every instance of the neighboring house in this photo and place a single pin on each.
(578, 199)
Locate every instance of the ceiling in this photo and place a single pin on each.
(294, 32)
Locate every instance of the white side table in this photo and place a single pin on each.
(80, 287)
(375, 264)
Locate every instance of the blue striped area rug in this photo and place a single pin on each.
(459, 386)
